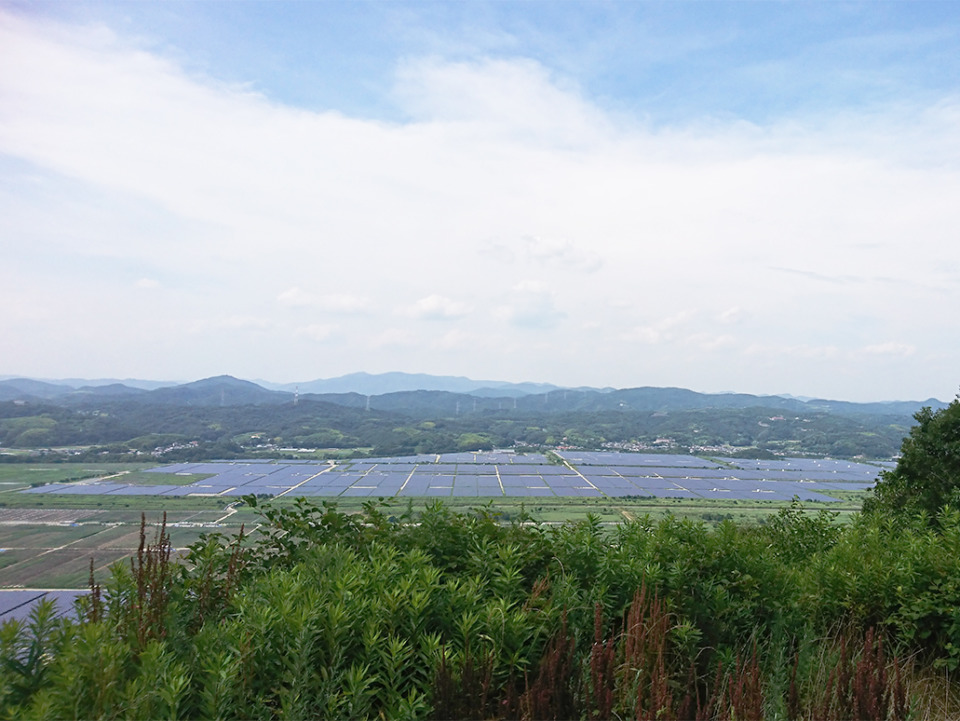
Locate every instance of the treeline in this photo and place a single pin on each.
(123, 427)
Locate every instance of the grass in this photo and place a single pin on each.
(132, 516)
(43, 536)
(317, 454)
(39, 473)
(28, 569)
(149, 478)
(9, 556)
(67, 568)
(610, 510)
(59, 557)
(138, 503)
(933, 694)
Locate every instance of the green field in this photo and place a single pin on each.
(610, 510)
(29, 474)
(53, 556)
(146, 478)
(48, 540)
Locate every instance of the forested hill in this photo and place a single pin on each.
(628, 399)
(436, 399)
(227, 417)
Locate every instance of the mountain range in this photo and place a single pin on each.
(420, 393)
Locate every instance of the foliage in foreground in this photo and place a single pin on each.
(927, 476)
(329, 615)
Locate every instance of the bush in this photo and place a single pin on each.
(927, 476)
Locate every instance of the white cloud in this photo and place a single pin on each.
(117, 158)
(802, 351)
(456, 339)
(731, 315)
(438, 307)
(245, 322)
(295, 297)
(532, 306)
(890, 349)
(516, 98)
(665, 330)
(538, 251)
(711, 342)
(148, 284)
(531, 287)
(643, 334)
(392, 338)
(320, 332)
(344, 303)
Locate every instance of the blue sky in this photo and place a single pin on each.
(666, 61)
(758, 197)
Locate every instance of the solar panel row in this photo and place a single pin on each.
(497, 473)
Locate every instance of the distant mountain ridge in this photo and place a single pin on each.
(440, 395)
(378, 384)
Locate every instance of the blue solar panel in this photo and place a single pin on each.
(437, 492)
(65, 600)
(435, 478)
(315, 491)
(620, 492)
(145, 490)
(11, 600)
(476, 470)
(516, 470)
(455, 458)
(667, 492)
(605, 458)
(676, 472)
(354, 491)
(95, 489)
(844, 486)
(386, 478)
(17, 605)
(530, 458)
(467, 474)
(415, 486)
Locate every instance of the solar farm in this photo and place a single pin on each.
(495, 474)
(49, 535)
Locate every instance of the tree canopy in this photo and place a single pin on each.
(927, 476)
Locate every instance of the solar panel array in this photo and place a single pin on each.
(17, 604)
(502, 473)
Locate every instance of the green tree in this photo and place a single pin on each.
(927, 476)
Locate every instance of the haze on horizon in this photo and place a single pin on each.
(749, 197)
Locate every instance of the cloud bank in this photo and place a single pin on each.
(565, 242)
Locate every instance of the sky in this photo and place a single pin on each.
(760, 197)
